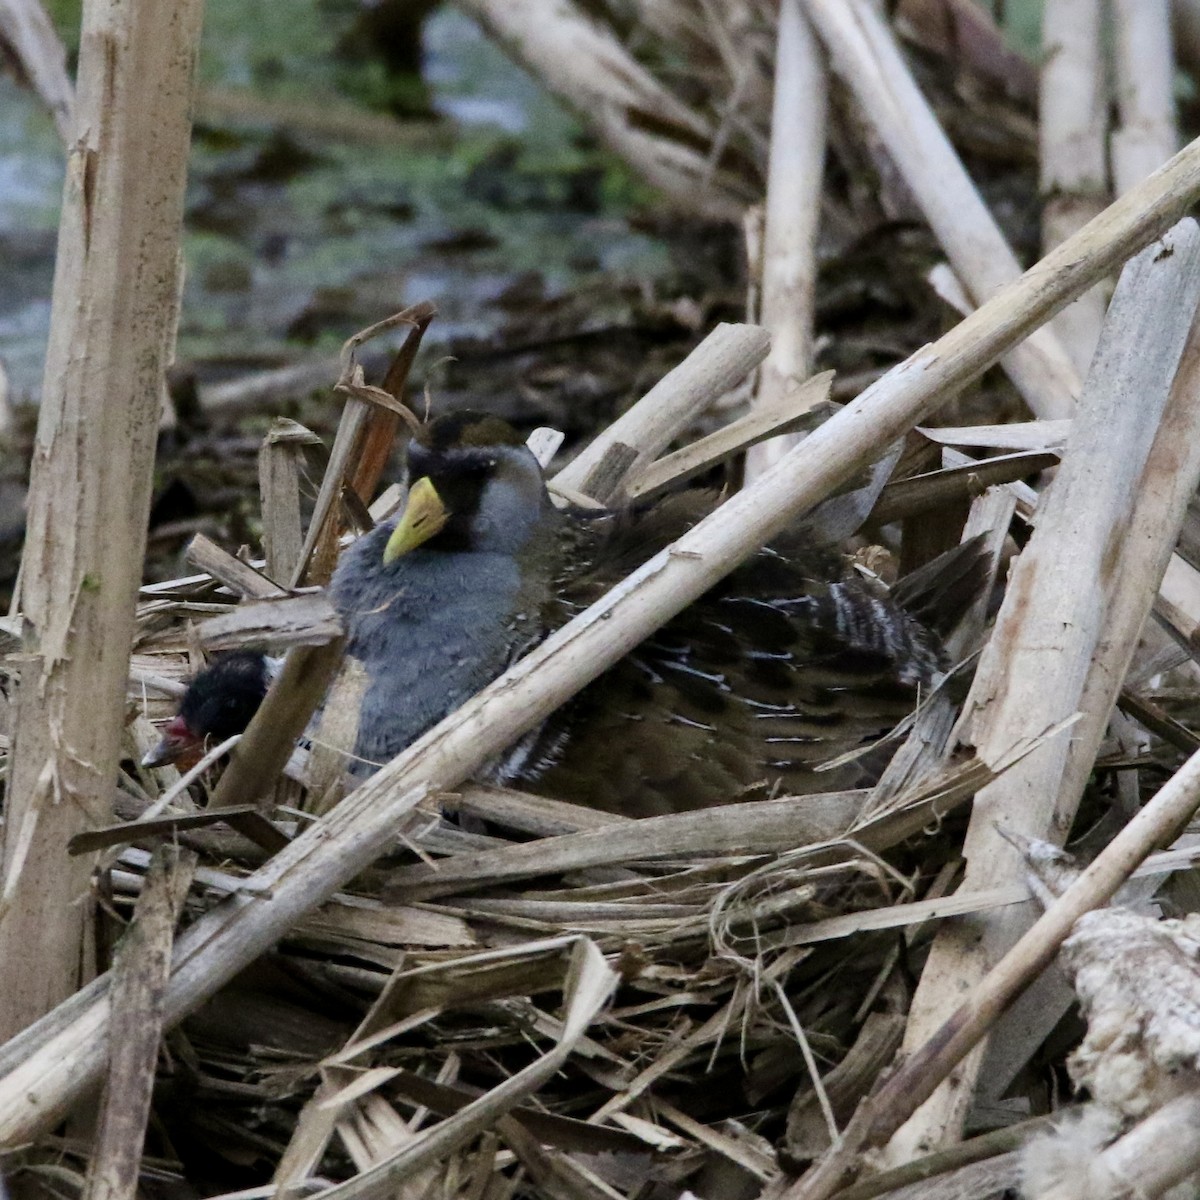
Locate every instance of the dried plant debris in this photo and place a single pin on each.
(1066, 1155)
(1137, 978)
(1138, 982)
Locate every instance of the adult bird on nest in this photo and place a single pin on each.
(791, 659)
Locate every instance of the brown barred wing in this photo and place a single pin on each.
(772, 672)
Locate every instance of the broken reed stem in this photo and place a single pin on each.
(279, 460)
(114, 305)
(1145, 77)
(46, 1069)
(669, 472)
(755, 827)
(1053, 637)
(864, 53)
(1166, 486)
(319, 553)
(143, 963)
(240, 578)
(1073, 148)
(725, 357)
(795, 180)
(372, 457)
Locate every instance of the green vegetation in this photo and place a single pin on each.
(298, 236)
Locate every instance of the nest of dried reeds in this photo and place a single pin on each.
(371, 996)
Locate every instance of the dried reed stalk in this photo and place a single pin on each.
(239, 577)
(1073, 146)
(667, 473)
(795, 179)
(114, 305)
(279, 462)
(143, 962)
(28, 34)
(864, 54)
(1166, 490)
(45, 1069)
(754, 827)
(1145, 69)
(1054, 640)
(1180, 585)
(940, 1176)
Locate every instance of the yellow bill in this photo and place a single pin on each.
(424, 514)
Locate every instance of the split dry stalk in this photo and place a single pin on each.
(923, 493)
(279, 461)
(864, 53)
(527, 813)
(143, 963)
(1180, 585)
(114, 303)
(1165, 489)
(754, 827)
(795, 179)
(795, 410)
(898, 1096)
(1145, 69)
(370, 459)
(239, 577)
(319, 552)
(1073, 112)
(1055, 650)
(44, 1070)
(306, 619)
(582, 63)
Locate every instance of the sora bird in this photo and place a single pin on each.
(793, 658)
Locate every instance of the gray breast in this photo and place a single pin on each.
(431, 629)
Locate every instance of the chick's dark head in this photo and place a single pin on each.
(473, 486)
(219, 702)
